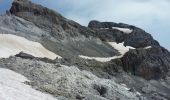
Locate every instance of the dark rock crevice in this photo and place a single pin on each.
(100, 89)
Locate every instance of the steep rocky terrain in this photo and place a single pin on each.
(104, 61)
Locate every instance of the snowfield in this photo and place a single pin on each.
(124, 30)
(11, 45)
(12, 87)
(118, 46)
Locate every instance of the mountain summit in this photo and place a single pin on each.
(45, 56)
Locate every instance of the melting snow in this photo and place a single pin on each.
(12, 87)
(125, 30)
(104, 28)
(148, 47)
(11, 45)
(120, 47)
(100, 59)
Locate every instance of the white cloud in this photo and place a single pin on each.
(131, 11)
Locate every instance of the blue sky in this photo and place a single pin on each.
(150, 15)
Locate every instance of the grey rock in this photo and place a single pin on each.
(148, 89)
(138, 38)
(67, 81)
(96, 25)
(152, 63)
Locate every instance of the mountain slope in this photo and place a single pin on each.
(70, 37)
(104, 61)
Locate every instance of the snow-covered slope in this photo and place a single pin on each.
(120, 47)
(12, 87)
(12, 45)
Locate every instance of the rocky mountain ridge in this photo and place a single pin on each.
(141, 72)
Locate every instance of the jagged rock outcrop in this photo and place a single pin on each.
(151, 63)
(138, 38)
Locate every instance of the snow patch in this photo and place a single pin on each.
(148, 47)
(104, 28)
(11, 45)
(124, 30)
(12, 87)
(120, 47)
(100, 59)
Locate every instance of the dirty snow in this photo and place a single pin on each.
(118, 46)
(12, 87)
(11, 45)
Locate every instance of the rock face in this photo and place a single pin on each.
(142, 73)
(152, 63)
(138, 38)
(98, 25)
